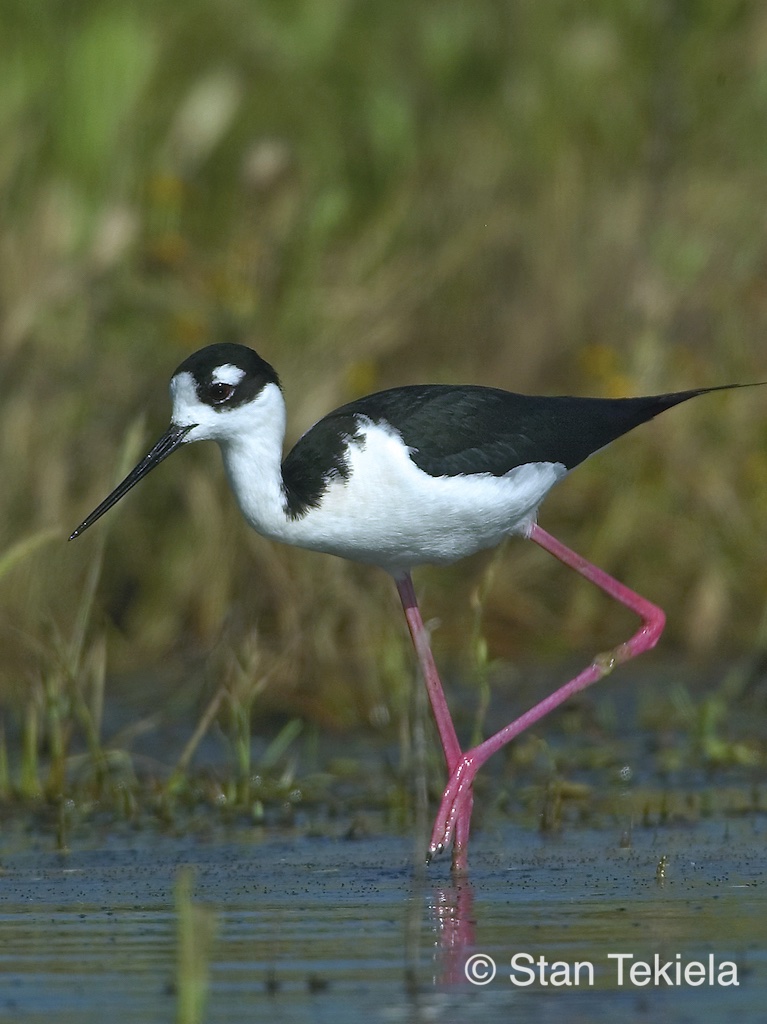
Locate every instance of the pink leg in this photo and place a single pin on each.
(445, 727)
(451, 809)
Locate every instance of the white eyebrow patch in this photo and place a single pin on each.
(228, 374)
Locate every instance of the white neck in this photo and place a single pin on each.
(252, 456)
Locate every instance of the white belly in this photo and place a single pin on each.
(392, 514)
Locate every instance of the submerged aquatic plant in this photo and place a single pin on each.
(196, 928)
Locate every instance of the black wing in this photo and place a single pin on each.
(454, 430)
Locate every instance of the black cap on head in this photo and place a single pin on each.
(204, 364)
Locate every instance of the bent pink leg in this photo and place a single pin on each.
(653, 620)
(442, 717)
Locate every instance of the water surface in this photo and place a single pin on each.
(315, 930)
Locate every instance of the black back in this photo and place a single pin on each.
(461, 430)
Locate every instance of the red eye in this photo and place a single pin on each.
(219, 392)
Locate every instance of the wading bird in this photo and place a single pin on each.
(405, 477)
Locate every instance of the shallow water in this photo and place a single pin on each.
(315, 930)
(321, 929)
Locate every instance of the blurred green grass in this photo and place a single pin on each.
(560, 197)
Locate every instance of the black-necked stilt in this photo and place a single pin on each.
(405, 477)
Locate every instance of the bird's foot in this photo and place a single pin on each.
(454, 814)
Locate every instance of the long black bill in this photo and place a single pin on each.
(168, 443)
